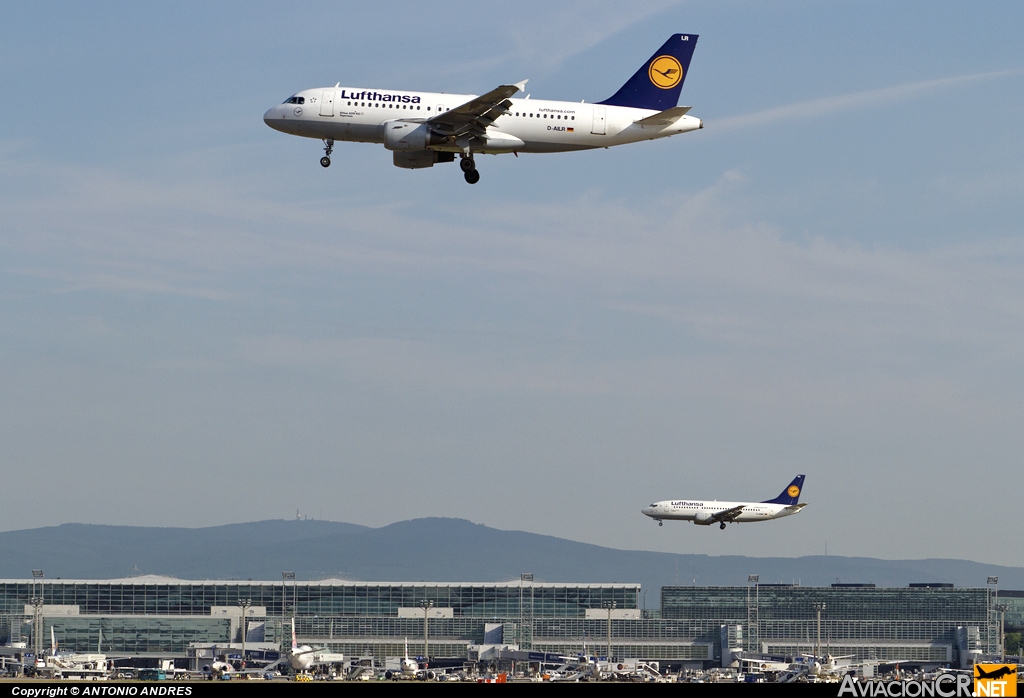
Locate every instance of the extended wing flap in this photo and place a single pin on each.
(478, 113)
(728, 514)
(664, 118)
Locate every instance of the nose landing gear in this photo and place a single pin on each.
(468, 165)
(661, 523)
(325, 161)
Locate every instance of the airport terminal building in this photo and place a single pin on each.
(696, 626)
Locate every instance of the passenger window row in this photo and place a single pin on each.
(546, 116)
(383, 105)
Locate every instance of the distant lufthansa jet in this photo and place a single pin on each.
(425, 128)
(706, 513)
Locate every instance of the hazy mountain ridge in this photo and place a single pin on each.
(432, 549)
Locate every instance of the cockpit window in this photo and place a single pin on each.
(295, 100)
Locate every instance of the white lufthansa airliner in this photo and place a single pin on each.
(706, 513)
(425, 128)
(302, 658)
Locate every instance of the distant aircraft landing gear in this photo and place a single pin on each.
(661, 523)
(722, 525)
(325, 161)
(468, 165)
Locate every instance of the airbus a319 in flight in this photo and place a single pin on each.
(706, 513)
(426, 128)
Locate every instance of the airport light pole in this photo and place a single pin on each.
(285, 576)
(525, 577)
(1001, 609)
(752, 612)
(244, 604)
(991, 582)
(426, 606)
(818, 607)
(610, 605)
(37, 616)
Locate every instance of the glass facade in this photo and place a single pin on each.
(913, 624)
(161, 616)
(325, 598)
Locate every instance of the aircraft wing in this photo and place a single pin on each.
(473, 117)
(728, 514)
(664, 118)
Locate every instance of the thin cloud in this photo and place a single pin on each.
(578, 27)
(857, 100)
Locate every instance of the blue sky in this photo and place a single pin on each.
(199, 325)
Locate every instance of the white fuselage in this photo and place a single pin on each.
(533, 125)
(305, 657)
(703, 512)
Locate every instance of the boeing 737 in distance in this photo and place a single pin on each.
(425, 128)
(705, 513)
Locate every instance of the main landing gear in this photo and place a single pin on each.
(722, 525)
(468, 166)
(325, 161)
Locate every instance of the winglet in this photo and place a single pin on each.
(522, 85)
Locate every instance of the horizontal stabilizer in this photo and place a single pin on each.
(795, 508)
(664, 118)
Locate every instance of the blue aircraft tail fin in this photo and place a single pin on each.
(790, 495)
(659, 81)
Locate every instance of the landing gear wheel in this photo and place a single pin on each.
(660, 523)
(467, 164)
(325, 161)
(722, 526)
(472, 176)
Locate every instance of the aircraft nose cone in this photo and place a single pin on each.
(277, 119)
(646, 511)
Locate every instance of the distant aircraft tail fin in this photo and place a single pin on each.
(790, 495)
(660, 80)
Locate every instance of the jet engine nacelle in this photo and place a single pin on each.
(409, 135)
(420, 158)
(704, 518)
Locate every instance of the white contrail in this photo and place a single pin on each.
(859, 100)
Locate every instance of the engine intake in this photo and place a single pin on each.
(409, 135)
(704, 518)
